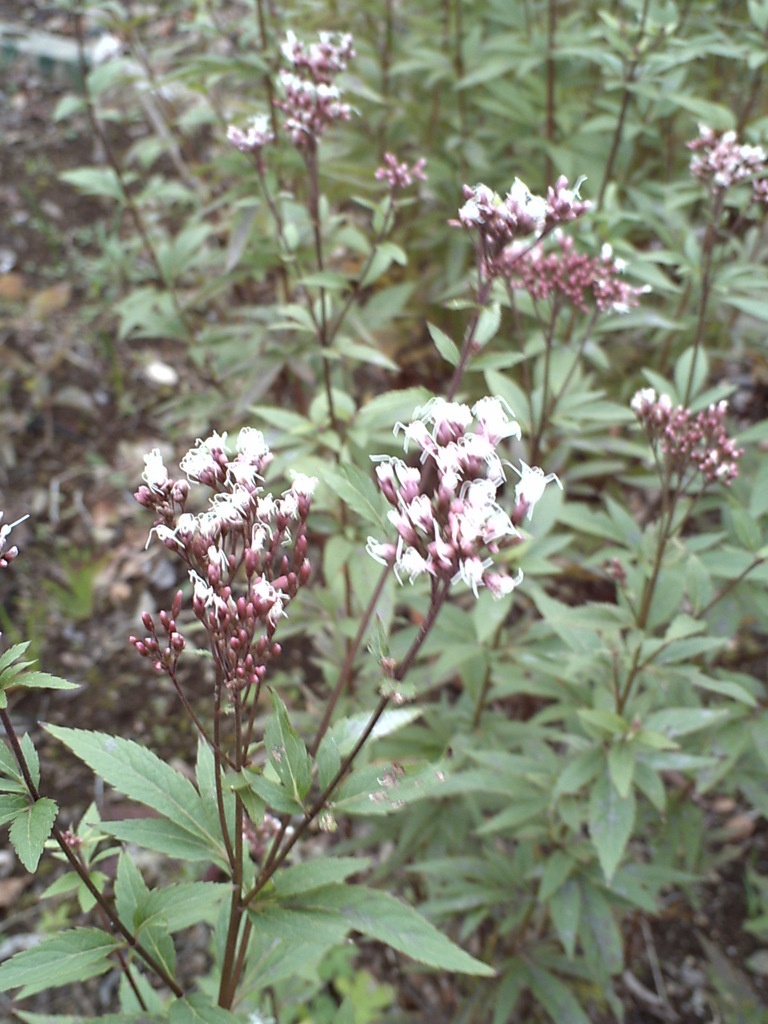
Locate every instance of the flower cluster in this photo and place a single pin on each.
(8, 555)
(322, 60)
(721, 161)
(311, 101)
(573, 275)
(499, 222)
(257, 134)
(690, 443)
(242, 560)
(449, 525)
(398, 174)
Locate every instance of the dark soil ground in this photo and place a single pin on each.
(77, 412)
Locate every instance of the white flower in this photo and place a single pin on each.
(412, 564)
(471, 572)
(491, 413)
(500, 584)
(382, 553)
(530, 205)
(155, 475)
(105, 48)
(303, 485)
(198, 460)
(251, 443)
(531, 485)
(5, 530)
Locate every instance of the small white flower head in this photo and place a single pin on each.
(471, 572)
(642, 400)
(415, 431)
(251, 444)
(499, 584)
(530, 487)
(526, 206)
(381, 552)
(203, 593)
(155, 475)
(411, 564)
(303, 485)
(256, 135)
(199, 461)
(496, 419)
(106, 48)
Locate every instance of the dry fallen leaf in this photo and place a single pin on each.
(49, 300)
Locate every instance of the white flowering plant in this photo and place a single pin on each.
(468, 611)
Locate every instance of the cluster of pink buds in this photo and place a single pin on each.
(574, 276)
(721, 161)
(448, 520)
(311, 101)
(398, 174)
(7, 555)
(690, 443)
(245, 553)
(498, 223)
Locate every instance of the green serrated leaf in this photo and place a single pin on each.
(274, 795)
(165, 837)
(11, 806)
(144, 777)
(60, 960)
(13, 654)
(317, 873)
(337, 909)
(44, 681)
(286, 751)
(30, 830)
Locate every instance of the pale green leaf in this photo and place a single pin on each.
(565, 910)
(444, 345)
(555, 997)
(611, 820)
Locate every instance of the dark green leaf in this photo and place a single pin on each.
(60, 960)
(30, 830)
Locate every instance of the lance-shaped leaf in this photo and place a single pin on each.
(287, 753)
(327, 914)
(31, 829)
(611, 820)
(144, 777)
(72, 956)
